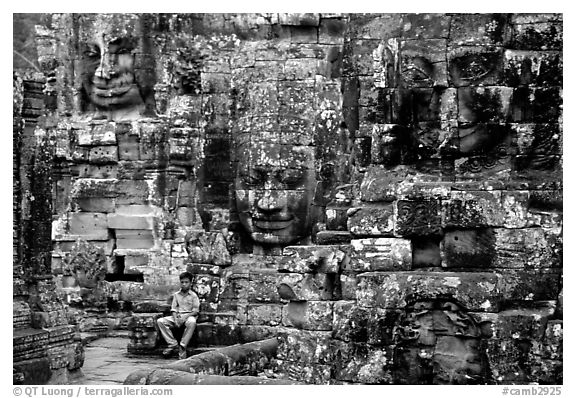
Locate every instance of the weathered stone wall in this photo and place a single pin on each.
(434, 143)
(45, 347)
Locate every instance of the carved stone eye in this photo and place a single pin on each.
(123, 50)
(417, 70)
(92, 53)
(291, 177)
(251, 177)
(474, 67)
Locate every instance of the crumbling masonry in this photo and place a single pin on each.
(380, 192)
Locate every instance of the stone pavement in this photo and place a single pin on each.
(108, 362)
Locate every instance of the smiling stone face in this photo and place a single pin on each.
(107, 57)
(274, 190)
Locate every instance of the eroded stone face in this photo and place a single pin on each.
(447, 93)
(274, 191)
(107, 58)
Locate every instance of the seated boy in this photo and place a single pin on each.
(185, 309)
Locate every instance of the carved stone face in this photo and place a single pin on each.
(480, 109)
(108, 78)
(107, 64)
(274, 190)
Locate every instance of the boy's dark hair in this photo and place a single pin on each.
(186, 275)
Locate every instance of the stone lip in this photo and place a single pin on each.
(238, 359)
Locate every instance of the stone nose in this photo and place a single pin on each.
(105, 68)
(270, 201)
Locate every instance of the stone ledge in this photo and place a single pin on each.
(238, 359)
(176, 377)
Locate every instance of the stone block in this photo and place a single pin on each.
(470, 248)
(458, 361)
(530, 285)
(370, 221)
(336, 218)
(103, 154)
(131, 170)
(135, 210)
(307, 347)
(225, 335)
(527, 248)
(426, 252)
(188, 216)
(120, 221)
(149, 307)
(506, 358)
(183, 148)
(305, 287)
(425, 26)
(348, 285)
(305, 373)
(380, 254)
(433, 52)
(363, 364)
(215, 83)
(374, 326)
(208, 269)
(537, 140)
(96, 205)
(134, 239)
(542, 36)
(94, 188)
(477, 29)
(381, 184)
(133, 192)
(34, 371)
(144, 335)
(308, 315)
(522, 324)
(418, 217)
(98, 134)
(478, 291)
(490, 105)
(552, 347)
(382, 27)
(296, 19)
(536, 104)
(542, 68)
(234, 286)
(262, 287)
(322, 259)
(472, 209)
(333, 237)
(475, 65)
(515, 206)
(250, 333)
(206, 287)
(264, 314)
(207, 248)
(128, 147)
(88, 224)
(95, 171)
(331, 31)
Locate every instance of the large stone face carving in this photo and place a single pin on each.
(439, 342)
(274, 189)
(108, 59)
(447, 92)
(285, 119)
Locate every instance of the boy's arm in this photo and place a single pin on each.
(174, 307)
(195, 305)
